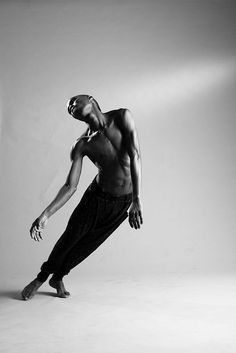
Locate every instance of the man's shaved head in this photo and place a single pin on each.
(80, 101)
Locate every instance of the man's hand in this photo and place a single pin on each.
(37, 227)
(135, 214)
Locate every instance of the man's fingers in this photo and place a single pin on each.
(32, 234)
(36, 237)
(35, 233)
(130, 222)
(38, 234)
(134, 221)
(31, 230)
(140, 216)
(136, 224)
(35, 230)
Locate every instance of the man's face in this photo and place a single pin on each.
(79, 109)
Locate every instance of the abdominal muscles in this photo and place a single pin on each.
(114, 178)
(113, 166)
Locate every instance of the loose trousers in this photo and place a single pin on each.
(93, 220)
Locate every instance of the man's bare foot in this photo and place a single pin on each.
(30, 290)
(59, 286)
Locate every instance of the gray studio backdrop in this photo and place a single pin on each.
(172, 63)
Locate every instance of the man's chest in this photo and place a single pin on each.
(105, 146)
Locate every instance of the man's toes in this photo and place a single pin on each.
(25, 295)
(26, 298)
(63, 294)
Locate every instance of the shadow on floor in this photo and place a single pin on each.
(16, 294)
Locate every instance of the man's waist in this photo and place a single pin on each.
(108, 194)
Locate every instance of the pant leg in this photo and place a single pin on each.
(110, 215)
(81, 221)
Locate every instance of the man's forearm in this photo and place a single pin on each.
(62, 197)
(135, 169)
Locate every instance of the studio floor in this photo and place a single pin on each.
(177, 313)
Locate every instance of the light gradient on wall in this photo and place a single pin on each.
(172, 63)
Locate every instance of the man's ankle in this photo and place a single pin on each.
(38, 281)
(56, 278)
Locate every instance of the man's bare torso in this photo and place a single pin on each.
(108, 151)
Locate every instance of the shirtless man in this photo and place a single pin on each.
(111, 143)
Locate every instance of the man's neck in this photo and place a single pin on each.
(102, 123)
(102, 118)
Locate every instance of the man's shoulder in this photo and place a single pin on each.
(123, 118)
(120, 111)
(78, 148)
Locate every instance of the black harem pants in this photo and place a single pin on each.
(93, 220)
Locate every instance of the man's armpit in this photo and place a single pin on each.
(77, 148)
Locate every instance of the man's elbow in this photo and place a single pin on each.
(71, 188)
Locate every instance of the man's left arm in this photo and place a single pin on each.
(132, 145)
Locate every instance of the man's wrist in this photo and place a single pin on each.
(136, 198)
(45, 214)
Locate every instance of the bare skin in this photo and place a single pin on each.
(59, 286)
(111, 143)
(30, 290)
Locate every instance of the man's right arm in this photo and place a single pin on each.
(66, 191)
(70, 186)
